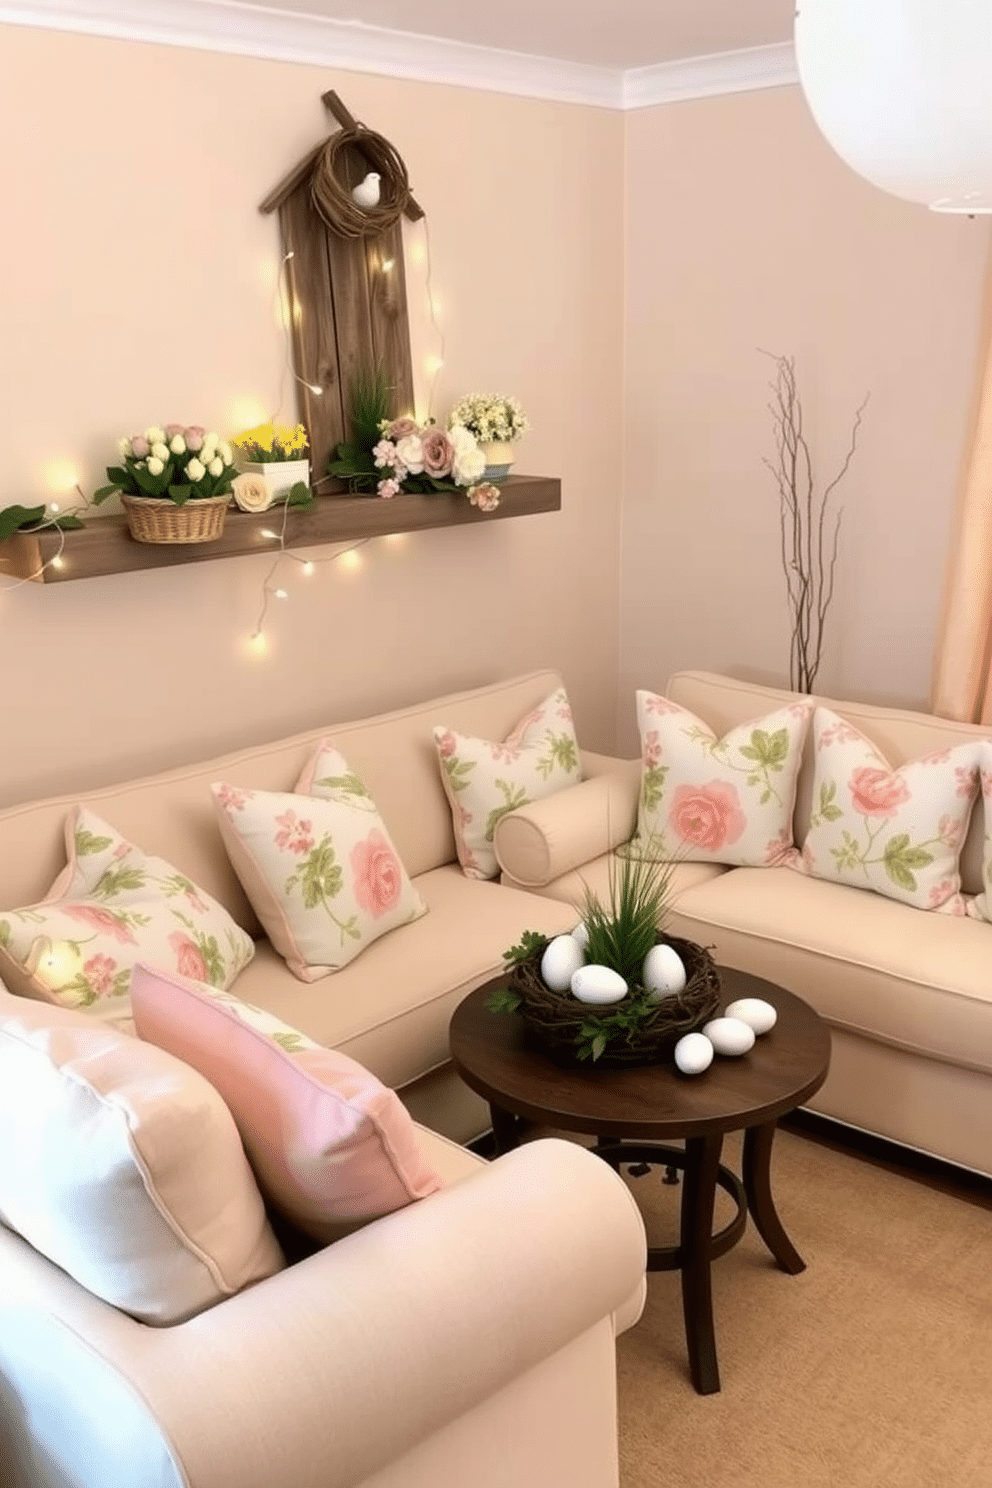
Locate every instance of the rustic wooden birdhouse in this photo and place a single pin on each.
(345, 279)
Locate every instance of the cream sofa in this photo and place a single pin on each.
(907, 993)
(466, 1338)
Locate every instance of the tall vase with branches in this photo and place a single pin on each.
(810, 522)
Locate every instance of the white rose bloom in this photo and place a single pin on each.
(216, 467)
(224, 450)
(195, 471)
(123, 448)
(155, 466)
(468, 466)
(155, 435)
(462, 439)
(410, 450)
(160, 452)
(211, 441)
(178, 445)
(252, 493)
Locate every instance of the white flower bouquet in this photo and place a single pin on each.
(492, 417)
(171, 463)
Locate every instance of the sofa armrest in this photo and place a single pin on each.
(328, 1371)
(545, 839)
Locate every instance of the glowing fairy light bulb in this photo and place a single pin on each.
(308, 568)
(257, 643)
(280, 594)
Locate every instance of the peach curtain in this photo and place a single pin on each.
(963, 675)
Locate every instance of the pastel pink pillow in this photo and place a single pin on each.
(330, 1145)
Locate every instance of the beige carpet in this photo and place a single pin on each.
(871, 1369)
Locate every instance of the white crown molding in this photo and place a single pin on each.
(706, 77)
(290, 36)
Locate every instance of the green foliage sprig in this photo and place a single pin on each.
(36, 518)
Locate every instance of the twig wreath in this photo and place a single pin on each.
(331, 195)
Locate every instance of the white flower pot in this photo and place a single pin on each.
(281, 475)
(499, 458)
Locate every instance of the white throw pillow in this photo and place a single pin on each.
(710, 800)
(322, 875)
(112, 906)
(486, 780)
(126, 1169)
(898, 831)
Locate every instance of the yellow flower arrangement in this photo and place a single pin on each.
(271, 443)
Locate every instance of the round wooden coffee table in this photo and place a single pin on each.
(632, 1112)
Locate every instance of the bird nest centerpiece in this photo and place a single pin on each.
(618, 990)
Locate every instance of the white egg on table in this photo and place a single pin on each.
(729, 1035)
(663, 972)
(754, 1010)
(693, 1053)
(598, 984)
(561, 960)
(581, 934)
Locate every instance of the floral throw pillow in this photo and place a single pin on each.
(711, 800)
(112, 906)
(896, 831)
(980, 908)
(485, 780)
(322, 875)
(330, 1145)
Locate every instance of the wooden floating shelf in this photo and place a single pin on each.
(105, 546)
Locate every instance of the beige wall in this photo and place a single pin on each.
(744, 231)
(137, 282)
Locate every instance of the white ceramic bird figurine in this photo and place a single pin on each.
(366, 193)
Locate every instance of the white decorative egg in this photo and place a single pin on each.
(663, 971)
(598, 984)
(561, 960)
(755, 1011)
(581, 934)
(693, 1053)
(729, 1035)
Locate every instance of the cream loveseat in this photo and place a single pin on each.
(907, 993)
(468, 1337)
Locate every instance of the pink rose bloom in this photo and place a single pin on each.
(193, 437)
(438, 453)
(876, 792)
(708, 816)
(139, 446)
(99, 972)
(171, 430)
(100, 919)
(401, 427)
(189, 958)
(295, 834)
(378, 875)
(485, 497)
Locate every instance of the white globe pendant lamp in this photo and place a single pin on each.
(902, 90)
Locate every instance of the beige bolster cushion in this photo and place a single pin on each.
(539, 842)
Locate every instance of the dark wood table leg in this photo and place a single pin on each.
(756, 1162)
(702, 1159)
(506, 1129)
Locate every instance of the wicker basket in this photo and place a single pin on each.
(557, 1017)
(154, 519)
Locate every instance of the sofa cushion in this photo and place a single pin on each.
(868, 964)
(484, 780)
(124, 1167)
(330, 1145)
(895, 831)
(323, 875)
(981, 906)
(390, 1009)
(111, 906)
(711, 799)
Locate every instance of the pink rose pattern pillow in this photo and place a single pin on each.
(485, 780)
(322, 875)
(896, 831)
(980, 908)
(711, 800)
(330, 1145)
(111, 906)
